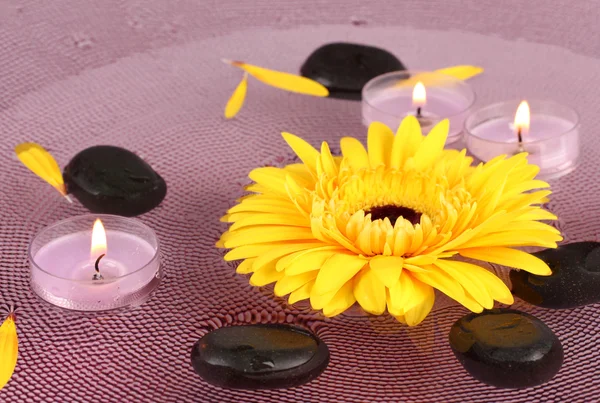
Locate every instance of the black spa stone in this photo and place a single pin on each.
(113, 180)
(506, 348)
(344, 68)
(575, 279)
(259, 357)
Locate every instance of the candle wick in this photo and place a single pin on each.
(520, 139)
(98, 276)
(418, 111)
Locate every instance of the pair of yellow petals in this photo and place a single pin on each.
(302, 85)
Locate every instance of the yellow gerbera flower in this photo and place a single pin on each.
(386, 227)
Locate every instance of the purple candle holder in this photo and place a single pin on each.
(63, 268)
(389, 99)
(552, 139)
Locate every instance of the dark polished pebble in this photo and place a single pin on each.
(575, 279)
(259, 357)
(112, 180)
(506, 348)
(344, 68)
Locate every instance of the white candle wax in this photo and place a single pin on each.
(552, 140)
(63, 270)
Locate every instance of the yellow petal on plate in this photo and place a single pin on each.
(236, 101)
(463, 72)
(41, 163)
(9, 349)
(433, 78)
(285, 81)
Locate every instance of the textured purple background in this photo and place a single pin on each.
(146, 75)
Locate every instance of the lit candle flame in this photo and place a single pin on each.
(98, 240)
(522, 118)
(419, 97)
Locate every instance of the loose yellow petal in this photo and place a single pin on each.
(285, 81)
(234, 104)
(369, 291)
(461, 72)
(9, 349)
(509, 257)
(41, 163)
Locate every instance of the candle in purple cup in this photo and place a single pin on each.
(390, 97)
(551, 138)
(63, 266)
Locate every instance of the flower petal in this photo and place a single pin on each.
(278, 251)
(509, 257)
(432, 145)
(303, 150)
(342, 300)
(301, 293)
(285, 81)
(287, 284)
(369, 291)
(387, 269)
(266, 233)
(336, 271)
(234, 104)
(461, 72)
(265, 275)
(355, 153)
(380, 140)
(417, 314)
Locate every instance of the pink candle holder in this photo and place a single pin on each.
(552, 140)
(389, 99)
(62, 268)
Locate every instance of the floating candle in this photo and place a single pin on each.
(430, 96)
(547, 131)
(79, 269)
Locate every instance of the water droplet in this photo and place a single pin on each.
(259, 363)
